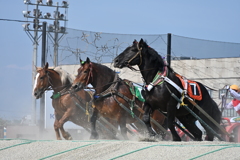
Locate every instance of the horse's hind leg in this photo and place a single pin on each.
(209, 135)
(213, 111)
(189, 123)
(94, 134)
(171, 126)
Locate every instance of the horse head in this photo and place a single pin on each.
(84, 75)
(41, 81)
(131, 56)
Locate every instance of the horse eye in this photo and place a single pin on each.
(85, 71)
(41, 77)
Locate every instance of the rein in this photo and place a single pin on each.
(102, 86)
(133, 69)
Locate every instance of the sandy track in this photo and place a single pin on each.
(110, 149)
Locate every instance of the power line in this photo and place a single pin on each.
(14, 20)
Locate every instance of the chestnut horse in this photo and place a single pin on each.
(161, 93)
(113, 98)
(74, 107)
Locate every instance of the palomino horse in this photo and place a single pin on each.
(160, 91)
(67, 106)
(113, 98)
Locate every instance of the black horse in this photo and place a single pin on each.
(158, 92)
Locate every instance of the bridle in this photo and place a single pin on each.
(49, 85)
(90, 75)
(138, 53)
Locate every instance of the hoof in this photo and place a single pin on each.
(67, 136)
(177, 139)
(70, 138)
(152, 135)
(94, 136)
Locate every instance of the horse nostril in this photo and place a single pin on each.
(35, 94)
(75, 86)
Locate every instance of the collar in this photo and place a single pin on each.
(157, 80)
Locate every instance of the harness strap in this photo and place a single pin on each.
(64, 91)
(129, 111)
(130, 101)
(173, 84)
(87, 104)
(108, 91)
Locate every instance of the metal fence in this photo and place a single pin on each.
(103, 47)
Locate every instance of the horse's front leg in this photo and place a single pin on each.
(171, 123)
(56, 127)
(146, 119)
(64, 119)
(123, 128)
(94, 134)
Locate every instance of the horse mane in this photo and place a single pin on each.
(155, 56)
(64, 75)
(105, 67)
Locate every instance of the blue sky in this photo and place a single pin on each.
(216, 20)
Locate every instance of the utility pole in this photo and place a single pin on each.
(43, 100)
(55, 28)
(56, 38)
(169, 46)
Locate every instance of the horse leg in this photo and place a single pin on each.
(209, 134)
(171, 126)
(159, 118)
(123, 128)
(189, 123)
(146, 119)
(214, 112)
(62, 120)
(94, 134)
(56, 128)
(65, 134)
(171, 112)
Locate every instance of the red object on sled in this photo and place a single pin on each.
(232, 128)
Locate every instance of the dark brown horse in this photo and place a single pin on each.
(113, 98)
(161, 93)
(74, 107)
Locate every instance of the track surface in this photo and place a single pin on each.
(13, 149)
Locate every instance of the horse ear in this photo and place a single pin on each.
(81, 61)
(88, 60)
(141, 43)
(46, 66)
(135, 41)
